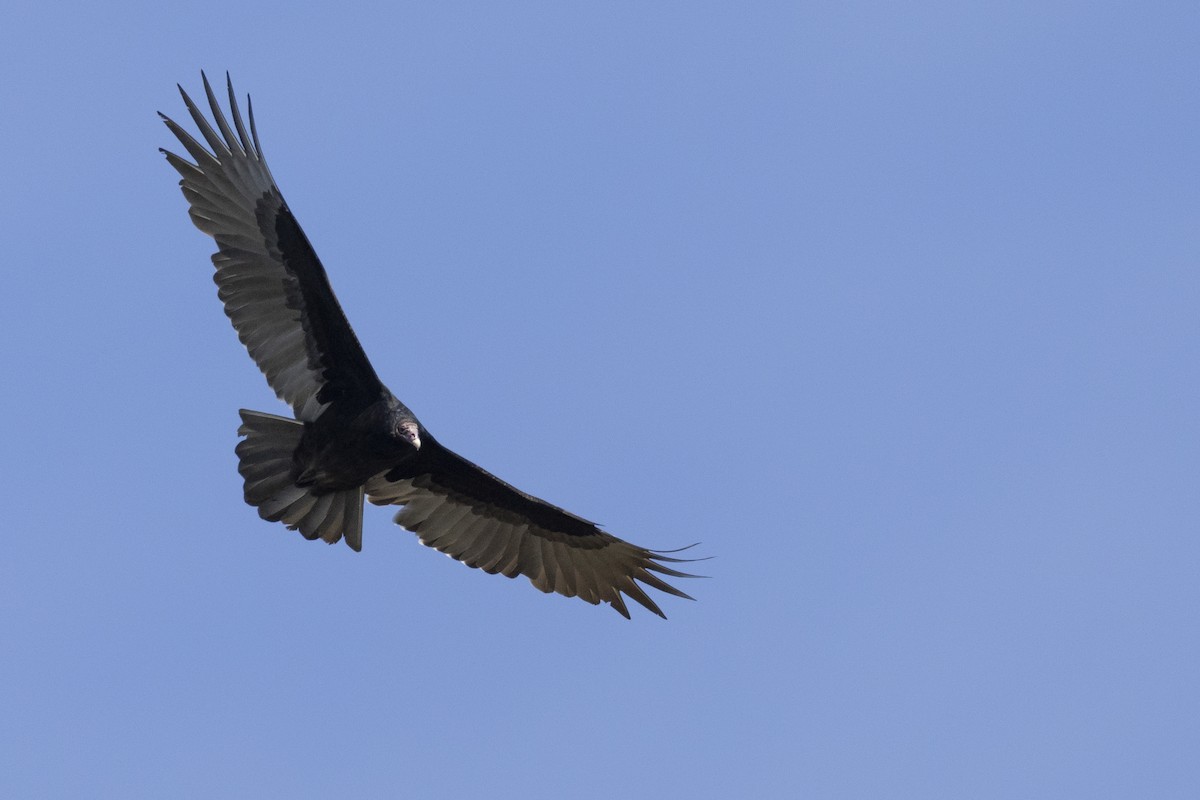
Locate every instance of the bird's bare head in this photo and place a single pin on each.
(409, 431)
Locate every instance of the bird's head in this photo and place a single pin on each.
(407, 430)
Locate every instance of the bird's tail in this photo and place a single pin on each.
(265, 461)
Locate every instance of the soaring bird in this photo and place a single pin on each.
(350, 436)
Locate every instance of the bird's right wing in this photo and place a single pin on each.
(272, 284)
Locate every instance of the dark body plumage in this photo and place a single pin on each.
(351, 437)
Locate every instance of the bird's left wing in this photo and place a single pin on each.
(272, 284)
(474, 517)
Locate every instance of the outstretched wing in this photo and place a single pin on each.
(470, 515)
(273, 286)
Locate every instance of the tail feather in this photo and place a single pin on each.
(265, 462)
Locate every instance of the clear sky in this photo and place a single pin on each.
(893, 307)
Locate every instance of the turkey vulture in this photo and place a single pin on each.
(351, 437)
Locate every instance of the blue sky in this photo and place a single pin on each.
(891, 307)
